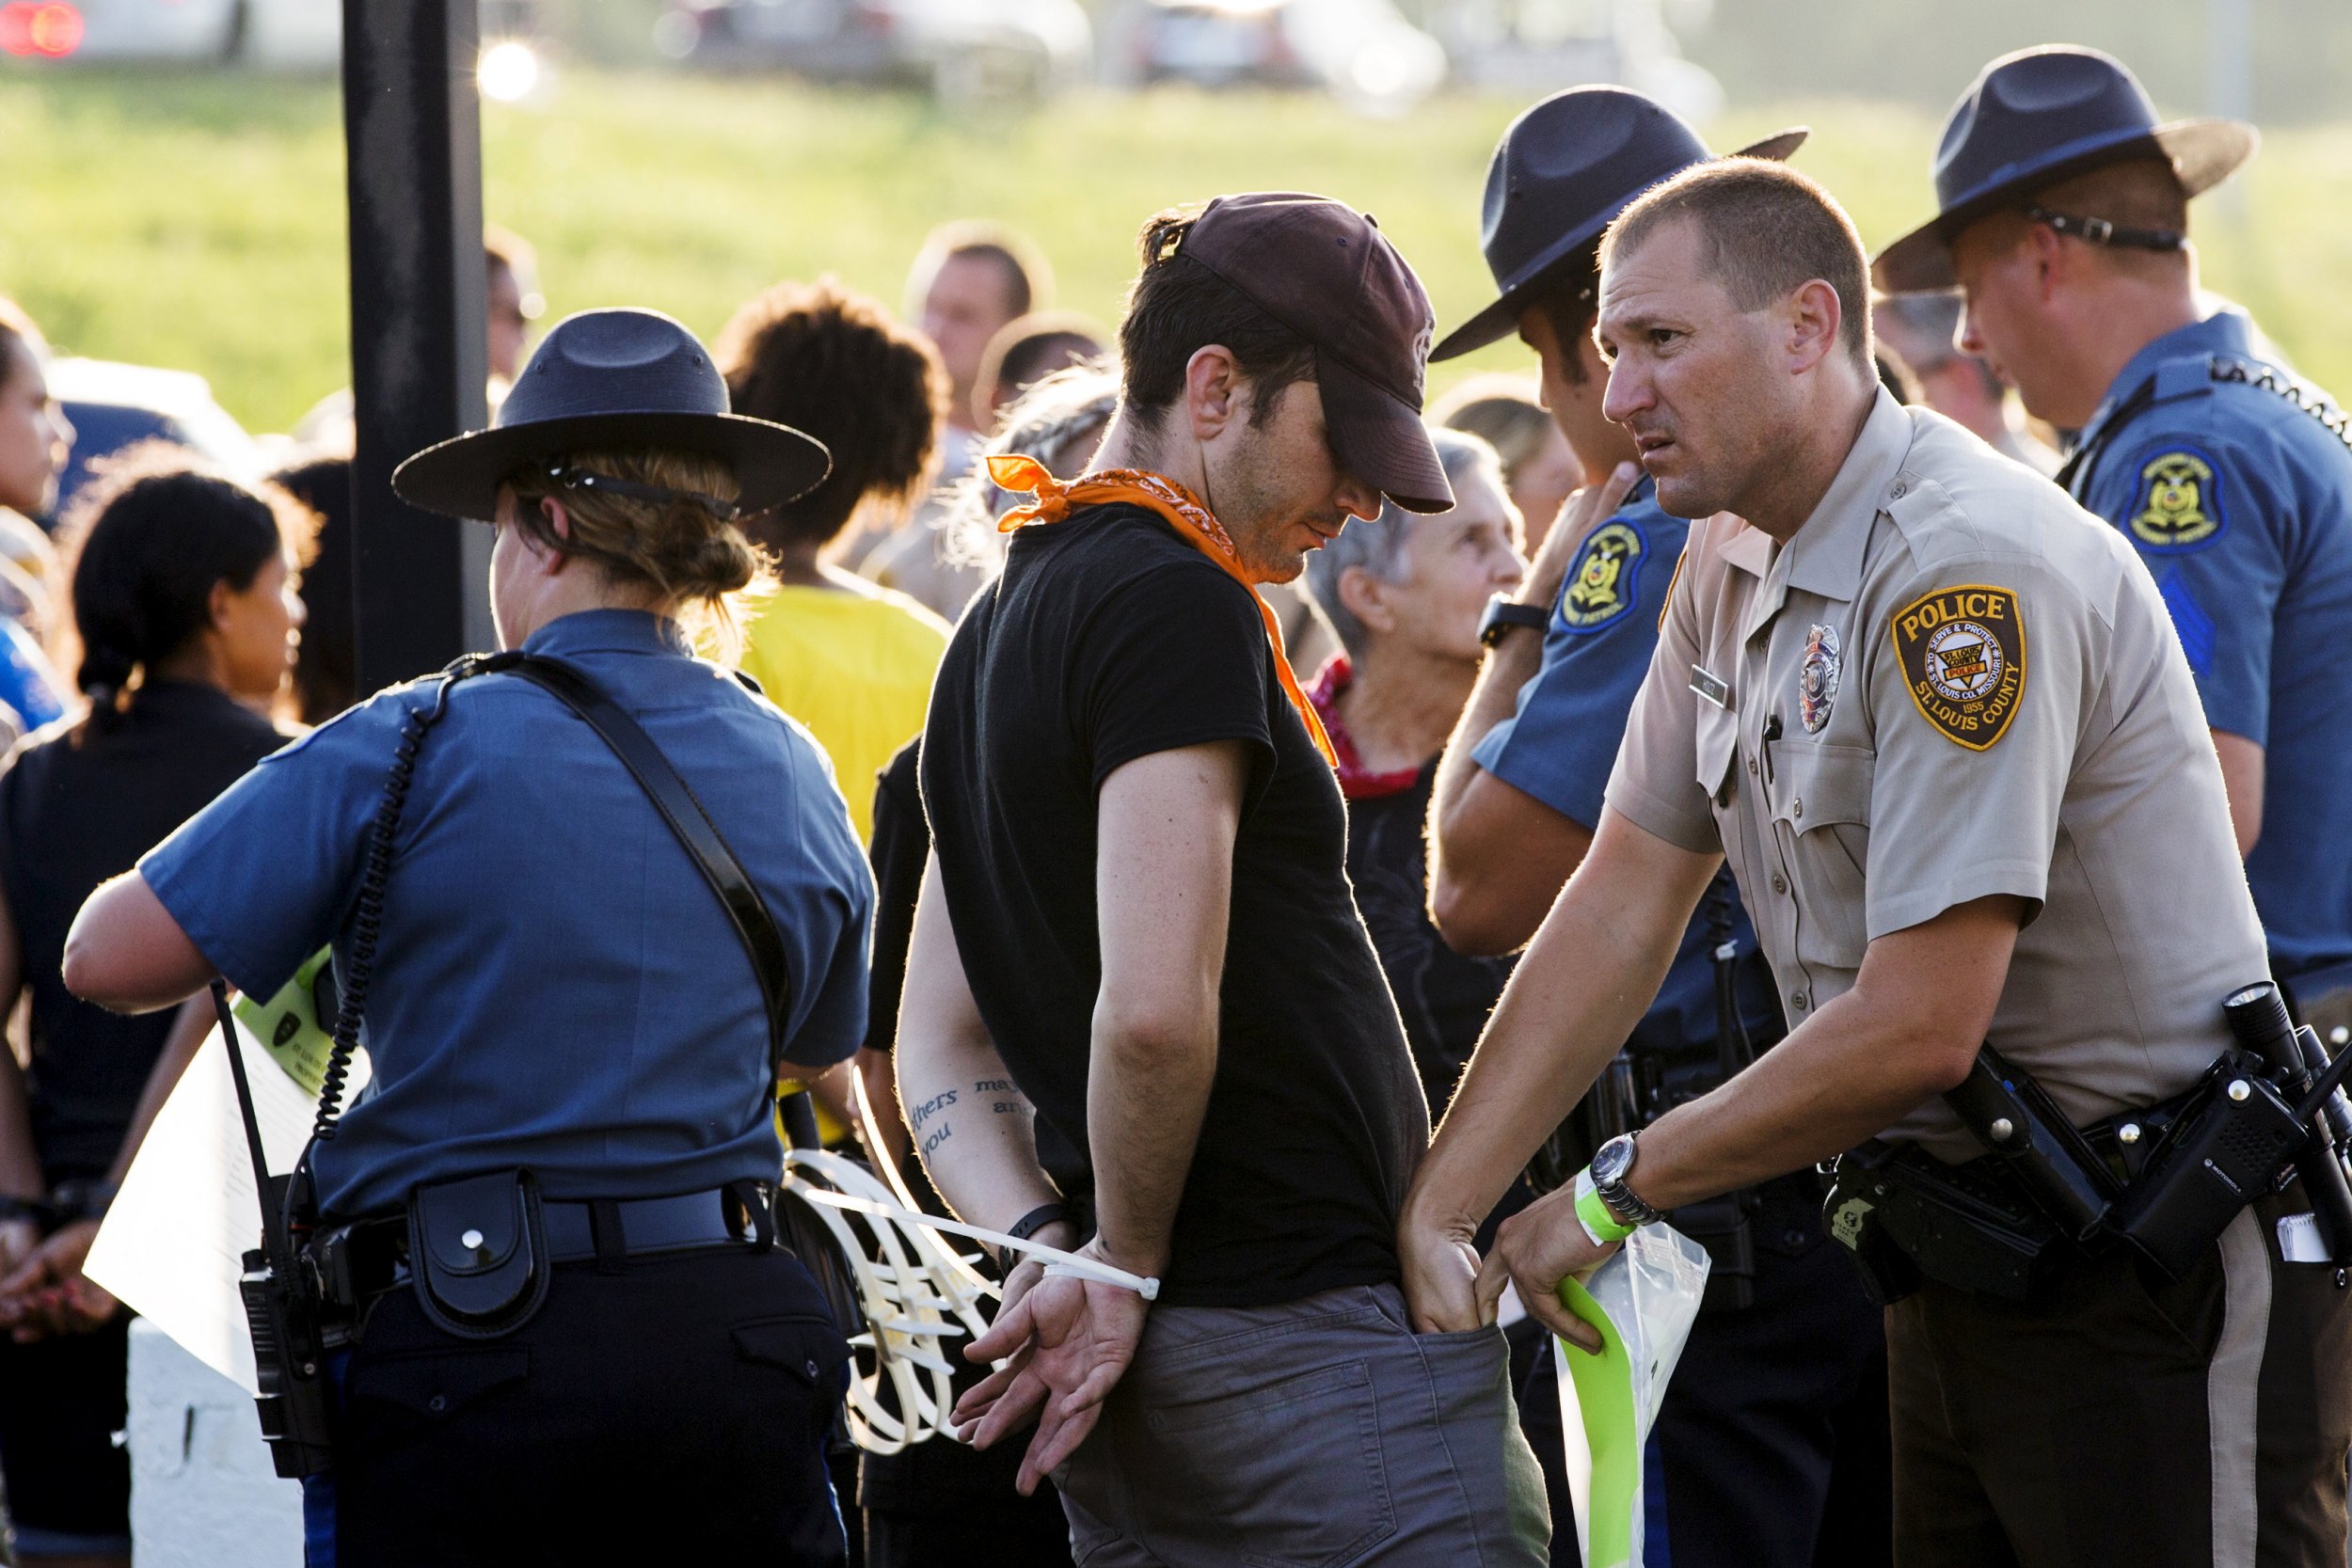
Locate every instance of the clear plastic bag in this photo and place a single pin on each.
(1643, 1300)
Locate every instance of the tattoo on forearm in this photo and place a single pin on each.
(930, 1111)
(930, 1124)
(1009, 1101)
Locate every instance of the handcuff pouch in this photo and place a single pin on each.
(478, 1253)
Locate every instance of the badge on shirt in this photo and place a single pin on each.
(1603, 584)
(1818, 675)
(1962, 651)
(2178, 504)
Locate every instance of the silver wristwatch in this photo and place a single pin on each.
(1612, 1163)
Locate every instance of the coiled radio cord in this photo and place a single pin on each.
(367, 921)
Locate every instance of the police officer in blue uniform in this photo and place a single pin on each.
(2063, 215)
(1782, 1385)
(573, 1059)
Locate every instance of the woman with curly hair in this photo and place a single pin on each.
(851, 660)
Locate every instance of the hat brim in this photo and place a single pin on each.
(1380, 439)
(772, 463)
(1501, 319)
(2204, 152)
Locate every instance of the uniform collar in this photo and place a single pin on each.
(609, 631)
(2224, 332)
(1824, 555)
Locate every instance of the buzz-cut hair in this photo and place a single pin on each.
(1766, 231)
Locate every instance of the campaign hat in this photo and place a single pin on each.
(2037, 117)
(614, 380)
(1562, 172)
(1326, 272)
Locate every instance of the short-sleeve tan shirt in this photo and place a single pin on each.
(1953, 683)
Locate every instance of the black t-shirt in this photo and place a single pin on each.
(73, 815)
(1109, 638)
(900, 845)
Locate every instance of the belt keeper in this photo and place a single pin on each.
(748, 1213)
(604, 1224)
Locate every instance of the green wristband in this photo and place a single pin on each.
(1599, 1224)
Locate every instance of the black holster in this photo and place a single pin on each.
(478, 1253)
(1904, 1215)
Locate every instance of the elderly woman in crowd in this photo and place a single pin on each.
(1404, 594)
(1538, 469)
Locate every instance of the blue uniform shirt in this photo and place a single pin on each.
(2240, 502)
(556, 987)
(1562, 741)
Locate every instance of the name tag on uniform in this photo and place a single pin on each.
(1711, 686)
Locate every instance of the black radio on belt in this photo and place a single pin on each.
(2258, 1110)
(283, 1307)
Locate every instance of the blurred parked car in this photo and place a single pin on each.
(293, 34)
(1525, 48)
(115, 405)
(1363, 51)
(957, 48)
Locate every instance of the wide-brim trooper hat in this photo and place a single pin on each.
(1562, 172)
(2037, 117)
(612, 380)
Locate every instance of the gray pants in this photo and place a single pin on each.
(1311, 1435)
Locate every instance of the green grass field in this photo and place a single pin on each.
(196, 220)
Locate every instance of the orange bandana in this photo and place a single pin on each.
(1184, 513)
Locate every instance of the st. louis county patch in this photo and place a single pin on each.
(1606, 580)
(2177, 504)
(1962, 651)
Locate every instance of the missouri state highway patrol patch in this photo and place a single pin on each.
(2178, 504)
(1606, 580)
(1962, 651)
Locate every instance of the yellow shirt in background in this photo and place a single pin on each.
(855, 668)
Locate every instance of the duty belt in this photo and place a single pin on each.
(359, 1261)
(2163, 1181)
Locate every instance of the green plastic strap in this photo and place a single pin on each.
(1600, 1223)
(1604, 1397)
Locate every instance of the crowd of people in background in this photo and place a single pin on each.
(178, 624)
(205, 620)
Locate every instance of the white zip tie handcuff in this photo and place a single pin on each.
(914, 1291)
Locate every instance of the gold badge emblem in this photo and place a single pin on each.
(1603, 584)
(1962, 651)
(2178, 508)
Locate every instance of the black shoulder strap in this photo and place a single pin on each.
(670, 797)
(2075, 474)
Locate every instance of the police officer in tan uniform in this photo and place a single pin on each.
(1936, 717)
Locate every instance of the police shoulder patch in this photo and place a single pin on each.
(2177, 502)
(1606, 580)
(1962, 651)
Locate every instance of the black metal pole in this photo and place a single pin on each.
(412, 133)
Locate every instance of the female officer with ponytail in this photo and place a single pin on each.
(182, 594)
(575, 1339)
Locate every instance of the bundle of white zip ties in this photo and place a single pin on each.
(914, 1289)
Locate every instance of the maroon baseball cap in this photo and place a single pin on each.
(1328, 273)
